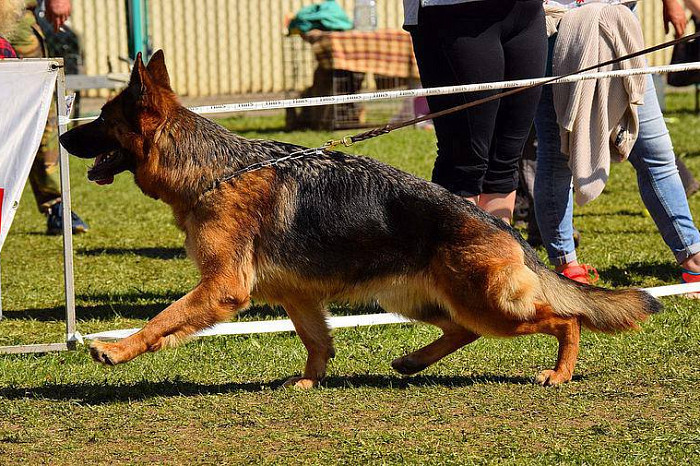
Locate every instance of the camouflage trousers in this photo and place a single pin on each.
(44, 176)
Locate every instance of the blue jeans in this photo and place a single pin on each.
(657, 176)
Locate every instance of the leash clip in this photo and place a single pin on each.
(345, 141)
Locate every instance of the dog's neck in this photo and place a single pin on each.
(187, 154)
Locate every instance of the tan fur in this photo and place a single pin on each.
(514, 287)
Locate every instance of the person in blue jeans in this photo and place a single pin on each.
(657, 176)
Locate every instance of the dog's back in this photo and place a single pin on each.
(355, 219)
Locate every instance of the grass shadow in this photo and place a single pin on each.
(626, 276)
(123, 310)
(99, 312)
(145, 305)
(104, 394)
(152, 253)
(615, 213)
(128, 305)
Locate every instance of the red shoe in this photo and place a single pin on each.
(581, 273)
(690, 277)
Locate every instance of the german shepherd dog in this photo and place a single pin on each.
(329, 227)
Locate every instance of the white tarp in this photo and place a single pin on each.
(26, 91)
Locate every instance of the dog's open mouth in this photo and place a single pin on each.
(107, 165)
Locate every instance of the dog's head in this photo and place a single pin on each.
(119, 139)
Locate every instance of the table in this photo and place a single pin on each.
(344, 60)
(385, 52)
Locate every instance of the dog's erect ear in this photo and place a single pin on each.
(140, 80)
(156, 68)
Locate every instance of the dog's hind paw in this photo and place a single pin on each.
(550, 378)
(301, 383)
(406, 365)
(104, 353)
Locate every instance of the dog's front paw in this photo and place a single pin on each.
(301, 383)
(105, 353)
(549, 378)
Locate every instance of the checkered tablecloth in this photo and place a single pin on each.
(386, 52)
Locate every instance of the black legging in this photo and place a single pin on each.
(475, 42)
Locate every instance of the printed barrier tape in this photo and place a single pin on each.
(385, 95)
(285, 325)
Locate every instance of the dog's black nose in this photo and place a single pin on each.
(67, 141)
(64, 139)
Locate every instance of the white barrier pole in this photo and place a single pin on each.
(67, 217)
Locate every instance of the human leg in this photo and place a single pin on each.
(554, 202)
(500, 205)
(660, 184)
(448, 41)
(524, 42)
(44, 176)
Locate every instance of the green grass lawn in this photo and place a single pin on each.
(635, 397)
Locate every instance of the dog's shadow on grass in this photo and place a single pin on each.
(96, 394)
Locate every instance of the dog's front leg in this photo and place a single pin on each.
(204, 306)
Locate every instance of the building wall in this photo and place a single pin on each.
(217, 47)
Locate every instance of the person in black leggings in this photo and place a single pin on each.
(475, 42)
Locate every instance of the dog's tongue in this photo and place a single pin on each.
(105, 181)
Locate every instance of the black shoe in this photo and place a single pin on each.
(54, 222)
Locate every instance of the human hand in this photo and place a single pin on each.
(57, 12)
(693, 6)
(674, 14)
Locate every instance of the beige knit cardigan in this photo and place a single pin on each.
(597, 118)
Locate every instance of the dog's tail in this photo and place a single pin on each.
(518, 289)
(600, 309)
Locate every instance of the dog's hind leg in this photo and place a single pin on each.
(204, 306)
(454, 337)
(309, 321)
(567, 331)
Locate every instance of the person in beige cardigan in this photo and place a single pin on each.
(632, 120)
